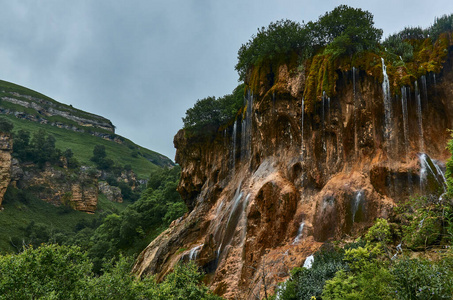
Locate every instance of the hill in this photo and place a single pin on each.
(74, 129)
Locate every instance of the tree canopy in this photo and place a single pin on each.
(344, 30)
(209, 113)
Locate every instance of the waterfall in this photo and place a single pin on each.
(424, 89)
(302, 128)
(235, 126)
(356, 203)
(405, 121)
(309, 262)
(419, 117)
(299, 233)
(356, 117)
(429, 167)
(236, 209)
(193, 254)
(387, 105)
(246, 131)
(323, 120)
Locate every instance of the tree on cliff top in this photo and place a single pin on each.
(209, 113)
(344, 30)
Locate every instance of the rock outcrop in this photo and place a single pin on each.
(59, 186)
(269, 190)
(6, 148)
(45, 109)
(113, 193)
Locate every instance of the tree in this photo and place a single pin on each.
(100, 158)
(209, 113)
(346, 30)
(50, 271)
(5, 125)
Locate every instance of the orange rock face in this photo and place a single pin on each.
(334, 171)
(5, 163)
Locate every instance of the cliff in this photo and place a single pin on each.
(282, 179)
(27, 104)
(6, 148)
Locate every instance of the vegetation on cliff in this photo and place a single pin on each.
(338, 41)
(209, 113)
(408, 256)
(65, 272)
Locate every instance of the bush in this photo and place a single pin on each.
(422, 279)
(305, 283)
(209, 113)
(277, 38)
(5, 125)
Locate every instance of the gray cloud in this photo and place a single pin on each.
(143, 63)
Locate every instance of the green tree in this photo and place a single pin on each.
(209, 113)
(100, 158)
(48, 272)
(5, 125)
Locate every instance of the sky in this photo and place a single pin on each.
(143, 63)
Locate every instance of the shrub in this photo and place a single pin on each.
(209, 113)
(422, 279)
(5, 125)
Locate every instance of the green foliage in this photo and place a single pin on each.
(278, 38)
(5, 125)
(422, 220)
(82, 145)
(100, 158)
(183, 283)
(442, 24)
(422, 279)
(399, 47)
(40, 149)
(305, 283)
(379, 232)
(344, 30)
(371, 282)
(128, 231)
(64, 272)
(209, 113)
(48, 272)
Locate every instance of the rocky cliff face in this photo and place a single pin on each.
(6, 148)
(269, 190)
(43, 109)
(58, 186)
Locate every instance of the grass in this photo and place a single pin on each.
(7, 87)
(82, 144)
(20, 210)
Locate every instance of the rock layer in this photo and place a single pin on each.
(335, 170)
(6, 148)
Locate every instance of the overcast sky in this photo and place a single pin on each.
(143, 63)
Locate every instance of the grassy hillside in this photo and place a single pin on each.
(142, 160)
(20, 209)
(7, 88)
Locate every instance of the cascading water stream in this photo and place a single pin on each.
(309, 261)
(387, 106)
(424, 89)
(193, 254)
(299, 233)
(246, 131)
(235, 126)
(430, 167)
(302, 128)
(356, 113)
(405, 121)
(419, 117)
(356, 203)
(236, 209)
